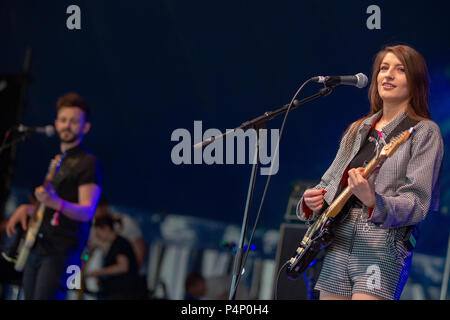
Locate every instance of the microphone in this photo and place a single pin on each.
(358, 80)
(47, 130)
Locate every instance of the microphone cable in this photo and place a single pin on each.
(278, 279)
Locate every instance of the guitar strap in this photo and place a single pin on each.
(411, 233)
(405, 124)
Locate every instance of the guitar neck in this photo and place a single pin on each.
(40, 211)
(337, 205)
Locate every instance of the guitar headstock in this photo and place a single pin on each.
(389, 149)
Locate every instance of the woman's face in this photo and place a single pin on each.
(102, 233)
(391, 80)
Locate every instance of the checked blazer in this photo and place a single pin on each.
(407, 184)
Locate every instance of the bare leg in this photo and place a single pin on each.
(363, 296)
(330, 296)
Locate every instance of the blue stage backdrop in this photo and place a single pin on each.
(151, 67)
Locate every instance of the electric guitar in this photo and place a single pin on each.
(320, 234)
(37, 218)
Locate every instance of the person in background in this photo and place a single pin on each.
(118, 278)
(126, 227)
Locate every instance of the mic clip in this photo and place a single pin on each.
(326, 91)
(331, 82)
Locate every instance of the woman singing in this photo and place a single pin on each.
(371, 253)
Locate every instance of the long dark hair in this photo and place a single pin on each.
(418, 84)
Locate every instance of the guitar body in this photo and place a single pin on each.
(30, 238)
(323, 238)
(36, 221)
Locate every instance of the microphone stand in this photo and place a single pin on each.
(268, 115)
(257, 123)
(14, 142)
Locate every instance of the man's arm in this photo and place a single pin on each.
(121, 267)
(88, 195)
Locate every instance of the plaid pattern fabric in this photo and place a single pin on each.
(407, 184)
(364, 259)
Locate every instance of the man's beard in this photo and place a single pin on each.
(74, 137)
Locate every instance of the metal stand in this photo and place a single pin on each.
(257, 123)
(14, 142)
(239, 252)
(446, 273)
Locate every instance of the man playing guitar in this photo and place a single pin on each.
(70, 201)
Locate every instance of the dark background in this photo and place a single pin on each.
(150, 67)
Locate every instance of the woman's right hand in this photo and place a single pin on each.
(314, 198)
(19, 216)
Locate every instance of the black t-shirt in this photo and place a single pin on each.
(368, 151)
(123, 286)
(365, 154)
(78, 167)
